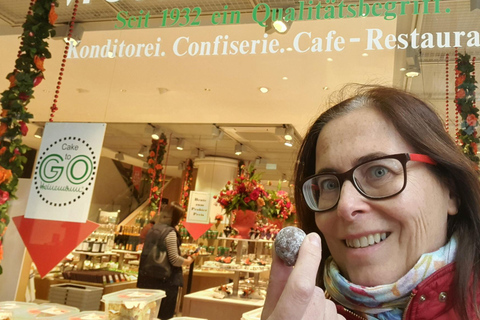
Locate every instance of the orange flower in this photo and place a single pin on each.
(158, 167)
(460, 79)
(471, 120)
(2, 151)
(474, 147)
(3, 128)
(1, 251)
(155, 189)
(39, 62)
(5, 175)
(12, 80)
(4, 113)
(150, 171)
(12, 159)
(150, 161)
(52, 15)
(152, 154)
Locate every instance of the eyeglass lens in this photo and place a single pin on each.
(379, 178)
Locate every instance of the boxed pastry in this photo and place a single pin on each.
(89, 315)
(133, 304)
(53, 311)
(10, 309)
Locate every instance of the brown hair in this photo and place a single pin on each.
(423, 129)
(170, 214)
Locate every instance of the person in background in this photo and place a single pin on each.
(164, 230)
(143, 233)
(392, 210)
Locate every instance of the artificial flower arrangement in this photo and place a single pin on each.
(278, 205)
(245, 193)
(155, 172)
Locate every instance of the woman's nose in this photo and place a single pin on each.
(351, 202)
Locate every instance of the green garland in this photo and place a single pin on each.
(187, 184)
(28, 73)
(155, 170)
(465, 102)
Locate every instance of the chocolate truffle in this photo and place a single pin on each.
(287, 244)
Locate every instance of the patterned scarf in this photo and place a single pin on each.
(385, 302)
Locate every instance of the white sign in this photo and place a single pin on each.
(198, 207)
(65, 172)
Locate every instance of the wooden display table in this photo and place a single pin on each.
(202, 304)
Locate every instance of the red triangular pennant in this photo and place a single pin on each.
(48, 241)
(196, 229)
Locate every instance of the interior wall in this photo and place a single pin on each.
(111, 193)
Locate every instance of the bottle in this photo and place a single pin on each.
(96, 244)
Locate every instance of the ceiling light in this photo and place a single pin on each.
(110, 54)
(263, 89)
(412, 72)
(284, 78)
(155, 134)
(365, 54)
(142, 151)
(329, 59)
(281, 26)
(180, 144)
(238, 149)
(119, 156)
(325, 88)
(289, 133)
(39, 133)
(289, 143)
(289, 49)
(76, 36)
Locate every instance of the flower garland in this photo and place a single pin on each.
(155, 170)
(187, 184)
(465, 102)
(28, 73)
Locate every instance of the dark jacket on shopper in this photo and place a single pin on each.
(430, 300)
(156, 236)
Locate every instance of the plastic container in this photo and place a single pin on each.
(187, 318)
(79, 296)
(89, 315)
(11, 309)
(133, 304)
(51, 311)
(255, 314)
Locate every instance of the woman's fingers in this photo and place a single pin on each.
(300, 287)
(278, 278)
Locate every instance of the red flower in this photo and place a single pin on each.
(247, 199)
(460, 94)
(4, 196)
(474, 147)
(460, 79)
(254, 195)
(23, 128)
(37, 80)
(23, 96)
(472, 120)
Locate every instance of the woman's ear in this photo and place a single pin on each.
(453, 200)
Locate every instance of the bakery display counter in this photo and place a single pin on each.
(208, 304)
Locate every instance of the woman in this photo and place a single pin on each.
(396, 205)
(164, 235)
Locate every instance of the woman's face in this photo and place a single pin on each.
(415, 221)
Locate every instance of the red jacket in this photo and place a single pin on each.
(430, 300)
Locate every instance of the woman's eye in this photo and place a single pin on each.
(378, 172)
(329, 184)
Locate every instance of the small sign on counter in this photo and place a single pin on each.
(198, 207)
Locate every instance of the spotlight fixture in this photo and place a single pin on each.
(263, 89)
(413, 63)
(180, 144)
(412, 72)
(289, 133)
(215, 131)
(280, 25)
(201, 154)
(142, 151)
(119, 156)
(238, 149)
(289, 143)
(76, 36)
(155, 134)
(181, 166)
(220, 136)
(258, 160)
(39, 133)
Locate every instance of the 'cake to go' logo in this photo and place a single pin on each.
(66, 170)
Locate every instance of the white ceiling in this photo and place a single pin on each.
(221, 90)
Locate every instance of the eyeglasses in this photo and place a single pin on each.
(379, 178)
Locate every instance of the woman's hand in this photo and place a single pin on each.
(188, 261)
(292, 294)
